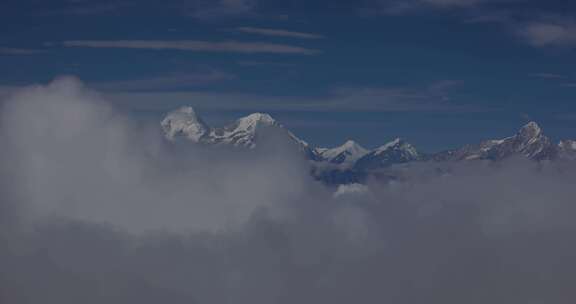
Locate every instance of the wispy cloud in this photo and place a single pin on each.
(163, 93)
(405, 6)
(251, 63)
(200, 9)
(562, 80)
(435, 97)
(195, 46)
(220, 8)
(178, 81)
(547, 75)
(537, 26)
(566, 116)
(278, 33)
(83, 7)
(19, 51)
(453, 2)
(540, 34)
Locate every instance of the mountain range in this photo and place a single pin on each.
(351, 162)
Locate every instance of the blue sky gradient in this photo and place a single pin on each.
(440, 73)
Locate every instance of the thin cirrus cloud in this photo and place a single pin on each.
(89, 8)
(165, 82)
(480, 10)
(435, 97)
(547, 75)
(219, 8)
(277, 33)
(536, 28)
(19, 51)
(404, 6)
(195, 46)
(451, 2)
(541, 34)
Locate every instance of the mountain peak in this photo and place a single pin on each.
(185, 122)
(529, 142)
(394, 144)
(350, 144)
(397, 151)
(255, 119)
(346, 153)
(531, 124)
(530, 130)
(259, 117)
(185, 110)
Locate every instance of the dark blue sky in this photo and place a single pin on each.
(439, 73)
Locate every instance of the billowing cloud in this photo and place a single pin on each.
(97, 208)
(105, 162)
(195, 46)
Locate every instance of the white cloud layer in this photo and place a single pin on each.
(108, 168)
(95, 208)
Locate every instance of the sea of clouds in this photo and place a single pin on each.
(96, 207)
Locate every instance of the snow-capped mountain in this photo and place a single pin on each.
(529, 142)
(348, 153)
(397, 151)
(351, 162)
(246, 132)
(184, 122)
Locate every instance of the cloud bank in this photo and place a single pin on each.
(104, 161)
(97, 208)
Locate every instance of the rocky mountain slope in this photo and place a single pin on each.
(529, 142)
(248, 132)
(350, 161)
(348, 153)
